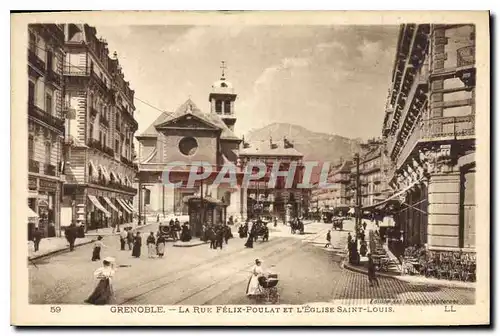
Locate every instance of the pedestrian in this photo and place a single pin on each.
(158, 218)
(211, 236)
(123, 239)
(37, 237)
(70, 234)
(98, 246)
(136, 250)
(219, 237)
(349, 238)
(103, 292)
(151, 242)
(160, 246)
(130, 239)
(328, 239)
(250, 240)
(364, 226)
(372, 277)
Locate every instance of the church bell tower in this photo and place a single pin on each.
(222, 98)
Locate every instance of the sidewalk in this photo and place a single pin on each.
(53, 245)
(109, 230)
(395, 271)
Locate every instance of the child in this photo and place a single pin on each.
(98, 245)
(328, 239)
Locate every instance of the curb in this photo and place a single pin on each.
(65, 249)
(190, 245)
(396, 277)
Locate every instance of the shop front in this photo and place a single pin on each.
(211, 213)
(44, 200)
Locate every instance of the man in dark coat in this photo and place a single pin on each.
(211, 237)
(130, 239)
(37, 237)
(372, 276)
(70, 234)
(219, 237)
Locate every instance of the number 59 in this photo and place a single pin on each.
(55, 309)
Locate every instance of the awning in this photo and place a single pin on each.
(114, 175)
(112, 206)
(95, 172)
(98, 205)
(104, 172)
(120, 178)
(122, 204)
(129, 182)
(32, 216)
(129, 205)
(394, 196)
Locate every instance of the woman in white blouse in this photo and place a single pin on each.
(253, 282)
(103, 292)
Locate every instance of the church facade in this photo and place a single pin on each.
(190, 135)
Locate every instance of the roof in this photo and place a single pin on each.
(265, 150)
(189, 107)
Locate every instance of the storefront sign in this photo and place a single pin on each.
(32, 185)
(48, 185)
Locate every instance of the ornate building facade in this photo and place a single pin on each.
(190, 135)
(275, 201)
(99, 166)
(429, 129)
(45, 125)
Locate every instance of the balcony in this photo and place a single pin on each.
(54, 77)
(73, 70)
(113, 185)
(466, 56)
(45, 117)
(438, 129)
(36, 61)
(109, 151)
(49, 169)
(104, 121)
(126, 161)
(34, 166)
(96, 144)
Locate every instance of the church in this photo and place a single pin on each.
(190, 135)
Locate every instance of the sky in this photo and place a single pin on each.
(331, 79)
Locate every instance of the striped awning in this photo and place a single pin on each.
(129, 204)
(112, 206)
(95, 172)
(98, 205)
(104, 172)
(124, 206)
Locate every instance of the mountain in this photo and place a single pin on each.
(315, 146)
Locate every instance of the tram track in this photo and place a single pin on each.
(206, 271)
(167, 279)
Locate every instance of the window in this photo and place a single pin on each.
(218, 106)
(50, 58)
(48, 152)
(104, 140)
(48, 103)
(117, 146)
(31, 147)
(32, 42)
(91, 131)
(31, 93)
(227, 107)
(101, 137)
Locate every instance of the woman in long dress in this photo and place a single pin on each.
(160, 246)
(253, 282)
(136, 250)
(151, 242)
(98, 246)
(103, 292)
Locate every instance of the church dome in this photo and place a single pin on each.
(222, 83)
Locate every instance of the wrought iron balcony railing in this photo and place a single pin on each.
(438, 129)
(45, 117)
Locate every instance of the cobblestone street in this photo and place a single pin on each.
(308, 273)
